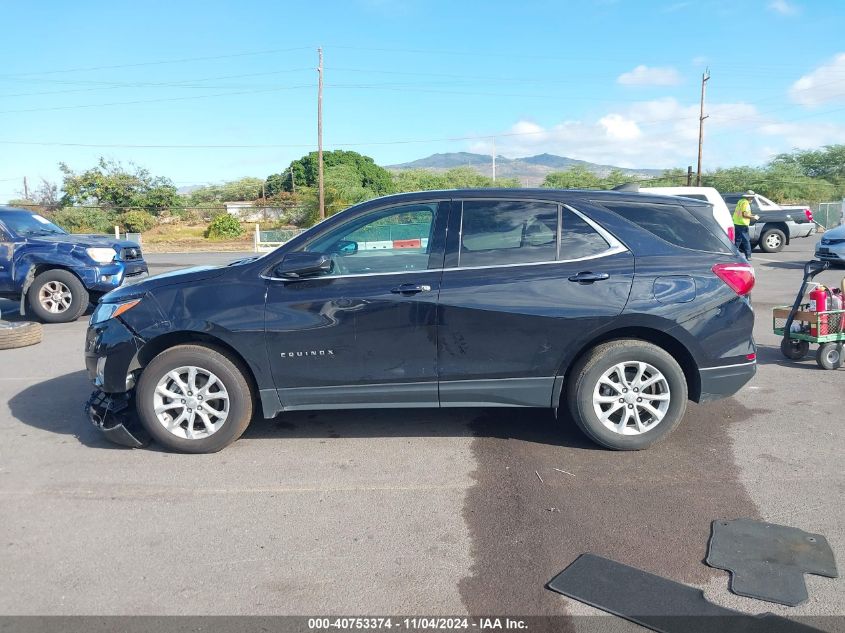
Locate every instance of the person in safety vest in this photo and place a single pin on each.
(742, 219)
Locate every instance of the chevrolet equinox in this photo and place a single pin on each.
(615, 306)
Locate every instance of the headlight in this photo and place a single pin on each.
(101, 255)
(106, 311)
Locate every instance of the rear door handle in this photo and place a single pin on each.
(410, 289)
(587, 277)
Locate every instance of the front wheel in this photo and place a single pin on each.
(794, 350)
(57, 296)
(194, 399)
(627, 394)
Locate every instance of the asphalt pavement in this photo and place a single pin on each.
(411, 512)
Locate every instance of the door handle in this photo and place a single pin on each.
(411, 289)
(587, 277)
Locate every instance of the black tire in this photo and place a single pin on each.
(584, 378)
(19, 334)
(794, 350)
(829, 355)
(40, 306)
(772, 241)
(230, 372)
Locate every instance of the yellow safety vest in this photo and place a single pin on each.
(741, 207)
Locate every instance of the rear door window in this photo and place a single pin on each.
(500, 232)
(671, 223)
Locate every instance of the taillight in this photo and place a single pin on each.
(740, 277)
(731, 234)
(809, 215)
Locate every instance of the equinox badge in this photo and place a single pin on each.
(313, 352)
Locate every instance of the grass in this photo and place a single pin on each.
(191, 237)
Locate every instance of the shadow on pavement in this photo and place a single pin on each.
(770, 355)
(527, 425)
(56, 405)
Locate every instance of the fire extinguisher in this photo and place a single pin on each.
(818, 303)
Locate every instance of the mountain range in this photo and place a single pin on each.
(530, 170)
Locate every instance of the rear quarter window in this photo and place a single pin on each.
(671, 223)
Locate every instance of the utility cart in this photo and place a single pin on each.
(826, 328)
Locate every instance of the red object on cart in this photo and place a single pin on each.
(818, 303)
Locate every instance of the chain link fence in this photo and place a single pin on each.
(829, 214)
(264, 241)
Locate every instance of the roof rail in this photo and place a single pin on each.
(628, 186)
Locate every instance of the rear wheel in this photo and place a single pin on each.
(194, 399)
(627, 394)
(772, 241)
(829, 355)
(794, 350)
(57, 296)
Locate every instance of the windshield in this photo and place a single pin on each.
(30, 224)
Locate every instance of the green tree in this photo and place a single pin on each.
(112, 186)
(827, 162)
(224, 226)
(577, 177)
(136, 221)
(85, 220)
(457, 178)
(370, 176)
(244, 189)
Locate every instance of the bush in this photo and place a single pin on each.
(84, 220)
(137, 221)
(224, 226)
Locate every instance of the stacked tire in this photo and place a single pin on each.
(19, 334)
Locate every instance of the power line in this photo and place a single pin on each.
(109, 85)
(161, 100)
(157, 63)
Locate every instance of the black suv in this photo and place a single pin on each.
(617, 306)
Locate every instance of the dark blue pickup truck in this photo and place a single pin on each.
(56, 274)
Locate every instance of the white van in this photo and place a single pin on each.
(707, 194)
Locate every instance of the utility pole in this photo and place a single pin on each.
(320, 135)
(494, 158)
(263, 202)
(25, 189)
(292, 181)
(704, 77)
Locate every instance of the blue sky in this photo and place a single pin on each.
(611, 81)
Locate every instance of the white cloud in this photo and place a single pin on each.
(618, 127)
(659, 133)
(650, 76)
(823, 85)
(783, 7)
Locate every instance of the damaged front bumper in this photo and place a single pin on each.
(110, 358)
(114, 414)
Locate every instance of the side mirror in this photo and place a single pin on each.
(346, 247)
(305, 264)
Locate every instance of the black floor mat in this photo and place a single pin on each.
(768, 561)
(658, 603)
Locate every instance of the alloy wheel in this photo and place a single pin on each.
(631, 398)
(191, 402)
(55, 297)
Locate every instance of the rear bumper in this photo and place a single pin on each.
(724, 381)
(805, 229)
